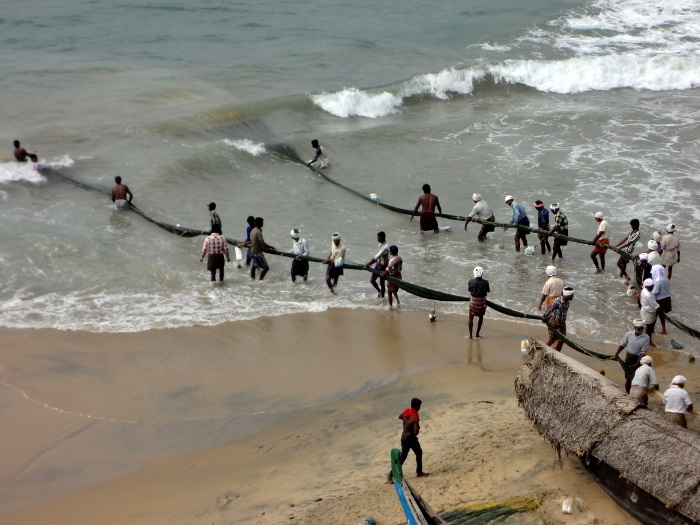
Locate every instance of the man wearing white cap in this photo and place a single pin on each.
(649, 308)
(478, 288)
(482, 212)
(556, 315)
(636, 342)
(519, 219)
(670, 249)
(300, 248)
(335, 262)
(644, 378)
(603, 237)
(677, 402)
(561, 226)
(553, 288)
(642, 272)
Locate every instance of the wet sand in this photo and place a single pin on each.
(277, 420)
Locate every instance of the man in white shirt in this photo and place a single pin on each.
(300, 248)
(649, 308)
(602, 237)
(644, 378)
(482, 212)
(677, 402)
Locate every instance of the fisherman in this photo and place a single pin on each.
(319, 156)
(642, 272)
(519, 219)
(626, 245)
(409, 438)
(482, 212)
(257, 249)
(427, 202)
(479, 289)
(603, 237)
(213, 216)
(251, 224)
(300, 248)
(561, 226)
(381, 260)
(335, 262)
(543, 224)
(644, 379)
(677, 402)
(22, 154)
(556, 315)
(670, 249)
(636, 342)
(215, 245)
(393, 269)
(662, 294)
(648, 310)
(553, 288)
(121, 195)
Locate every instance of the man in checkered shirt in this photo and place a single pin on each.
(215, 245)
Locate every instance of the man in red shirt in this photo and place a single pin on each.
(409, 438)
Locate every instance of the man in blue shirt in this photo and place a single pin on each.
(519, 219)
(543, 224)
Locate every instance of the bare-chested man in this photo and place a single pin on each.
(22, 154)
(121, 195)
(409, 437)
(427, 202)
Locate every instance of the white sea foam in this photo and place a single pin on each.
(247, 145)
(20, 172)
(354, 102)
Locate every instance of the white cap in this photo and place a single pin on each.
(294, 233)
(599, 215)
(638, 323)
(335, 236)
(476, 197)
(478, 271)
(643, 256)
(509, 198)
(646, 360)
(671, 228)
(654, 258)
(568, 291)
(653, 245)
(551, 270)
(678, 380)
(656, 236)
(648, 282)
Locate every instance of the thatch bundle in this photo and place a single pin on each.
(585, 413)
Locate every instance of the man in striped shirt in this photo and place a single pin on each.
(215, 245)
(626, 245)
(556, 315)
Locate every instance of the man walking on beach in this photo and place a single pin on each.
(561, 226)
(409, 438)
(543, 224)
(427, 202)
(121, 195)
(556, 315)
(381, 259)
(677, 402)
(519, 219)
(478, 288)
(257, 249)
(636, 342)
(602, 237)
(482, 212)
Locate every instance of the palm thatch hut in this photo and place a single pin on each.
(649, 465)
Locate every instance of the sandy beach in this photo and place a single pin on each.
(278, 420)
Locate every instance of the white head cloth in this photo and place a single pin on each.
(653, 245)
(648, 282)
(294, 233)
(568, 291)
(551, 270)
(599, 215)
(643, 256)
(678, 380)
(335, 236)
(554, 206)
(646, 360)
(638, 323)
(509, 198)
(671, 228)
(478, 271)
(476, 197)
(656, 236)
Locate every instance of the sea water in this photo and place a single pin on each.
(590, 104)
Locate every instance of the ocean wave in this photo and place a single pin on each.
(21, 172)
(255, 149)
(351, 102)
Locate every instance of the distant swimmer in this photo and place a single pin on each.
(482, 212)
(393, 269)
(427, 203)
(380, 260)
(519, 218)
(335, 262)
(300, 248)
(320, 159)
(213, 216)
(479, 289)
(216, 248)
(409, 438)
(22, 154)
(121, 195)
(603, 237)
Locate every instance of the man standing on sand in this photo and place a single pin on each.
(636, 342)
(335, 262)
(602, 237)
(300, 248)
(482, 212)
(409, 438)
(626, 245)
(553, 288)
(519, 219)
(22, 154)
(677, 402)
(121, 195)
(561, 226)
(427, 202)
(644, 379)
(543, 224)
(215, 245)
(479, 289)
(381, 259)
(556, 315)
(257, 249)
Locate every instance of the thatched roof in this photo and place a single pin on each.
(583, 412)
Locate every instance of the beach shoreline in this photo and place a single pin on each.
(131, 428)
